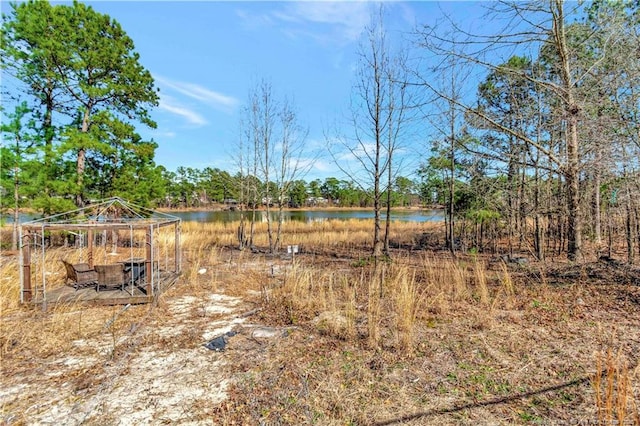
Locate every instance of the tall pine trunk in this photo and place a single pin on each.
(572, 167)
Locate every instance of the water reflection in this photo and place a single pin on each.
(312, 215)
(297, 215)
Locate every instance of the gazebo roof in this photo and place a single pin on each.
(113, 213)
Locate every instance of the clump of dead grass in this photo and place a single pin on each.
(407, 302)
(383, 304)
(612, 383)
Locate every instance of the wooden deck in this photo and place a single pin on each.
(68, 295)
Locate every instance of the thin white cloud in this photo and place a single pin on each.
(254, 21)
(334, 22)
(347, 19)
(358, 152)
(169, 104)
(199, 93)
(163, 134)
(322, 166)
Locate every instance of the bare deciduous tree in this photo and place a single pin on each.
(378, 112)
(272, 148)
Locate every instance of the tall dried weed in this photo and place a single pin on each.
(408, 301)
(615, 401)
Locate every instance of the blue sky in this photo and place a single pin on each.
(206, 56)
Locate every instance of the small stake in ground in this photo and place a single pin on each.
(292, 250)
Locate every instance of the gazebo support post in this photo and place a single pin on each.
(178, 260)
(27, 295)
(90, 247)
(147, 262)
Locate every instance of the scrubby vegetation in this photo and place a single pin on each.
(419, 338)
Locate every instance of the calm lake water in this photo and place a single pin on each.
(298, 215)
(313, 215)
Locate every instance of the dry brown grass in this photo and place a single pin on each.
(615, 400)
(422, 339)
(444, 333)
(390, 300)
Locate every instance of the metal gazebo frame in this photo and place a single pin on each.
(114, 214)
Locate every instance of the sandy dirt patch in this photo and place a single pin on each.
(157, 371)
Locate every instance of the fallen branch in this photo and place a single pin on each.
(248, 313)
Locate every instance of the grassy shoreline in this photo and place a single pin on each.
(216, 207)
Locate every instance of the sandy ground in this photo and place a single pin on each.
(156, 373)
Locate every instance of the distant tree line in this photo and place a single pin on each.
(189, 187)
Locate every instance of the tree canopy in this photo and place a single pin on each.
(85, 90)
